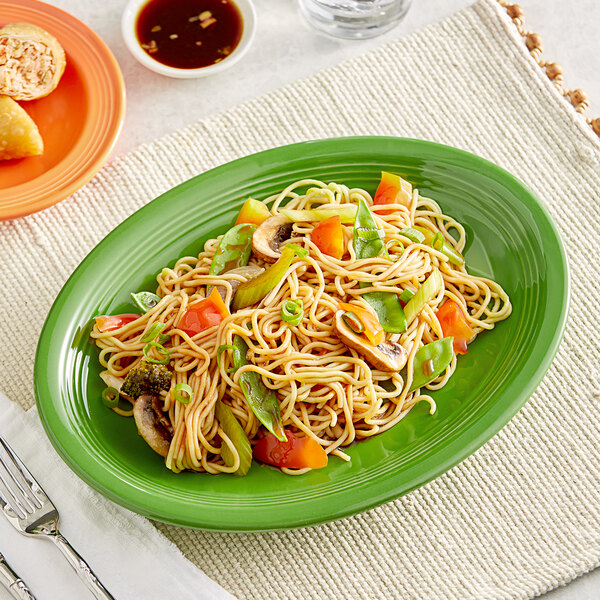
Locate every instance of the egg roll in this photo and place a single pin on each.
(31, 61)
(19, 135)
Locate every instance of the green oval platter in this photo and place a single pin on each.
(511, 238)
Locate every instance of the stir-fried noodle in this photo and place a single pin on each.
(325, 389)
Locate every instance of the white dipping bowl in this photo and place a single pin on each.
(128, 29)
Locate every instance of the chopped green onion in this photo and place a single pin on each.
(391, 244)
(369, 235)
(454, 256)
(292, 311)
(300, 252)
(153, 332)
(353, 322)
(222, 349)
(146, 300)
(413, 235)
(437, 243)
(183, 393)
(110, 397)
(405, 296)
(164, 337)
(160, 349)
(431, 286)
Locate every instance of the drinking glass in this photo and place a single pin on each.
(354, 19)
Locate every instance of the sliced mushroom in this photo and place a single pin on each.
(269, 236)
(152, 424)
(247, 273)
(387, 356)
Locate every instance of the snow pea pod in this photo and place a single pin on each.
(235, 432)
(368, 243)
(234, 249)
(261, 400)
(430, 362)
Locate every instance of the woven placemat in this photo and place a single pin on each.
(519, 517)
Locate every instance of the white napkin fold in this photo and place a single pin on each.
(131, 558)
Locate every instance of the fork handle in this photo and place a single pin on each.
(81, 567)
(13, 583)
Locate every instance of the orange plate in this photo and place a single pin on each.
(79, 121)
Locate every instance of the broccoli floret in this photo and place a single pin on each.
(146, 378)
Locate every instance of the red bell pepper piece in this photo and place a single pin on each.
(455, 324)
(296, 453)
(253, 212)
(111, 322)
(206, 313)
(328, 236)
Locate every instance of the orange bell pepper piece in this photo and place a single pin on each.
(328, 236)
(372, 327)
(253, 212)
(296, 453)
(455, 324)
(392, 189)
(206, 313)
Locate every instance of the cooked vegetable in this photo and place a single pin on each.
(112, 322)
(328, 236)
(204, 314)
(292, 311)
(346, 213)
(294, 453)
(261, 400)
(160, 349)
(431, 361)
(431, 286)
(371, 327)
(368, 238)
(154, 330)
(256, 289)
(368, 242)
(247, 272)
(234, 249)
(235, 432)
(146, 378)
(438, 242)
(267, 239)
(253, 212)
(146, 300)
(110, 397)
(183, 393)
(454, 323)
(414, 235)
(392, 189)
(386, 356)
(405, 296)
(152, 424)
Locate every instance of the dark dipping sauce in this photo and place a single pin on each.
(188, 34)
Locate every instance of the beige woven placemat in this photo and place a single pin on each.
(520, 516)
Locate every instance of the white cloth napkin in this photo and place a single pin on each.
(131, 558)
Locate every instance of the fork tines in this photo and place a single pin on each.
(19, 491)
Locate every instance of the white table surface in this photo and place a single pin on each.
(285, 49)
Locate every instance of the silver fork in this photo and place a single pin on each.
(31, 512)
(13, 583)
